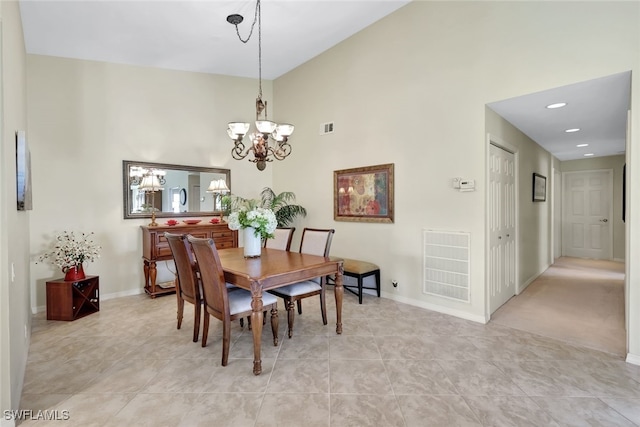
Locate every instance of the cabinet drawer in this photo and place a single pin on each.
(222, 234)
(163, 250)
(200, 234)
(224, 243)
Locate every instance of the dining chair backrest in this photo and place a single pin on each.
(185, 265)
(281, 239)
(316, 241)
(212, 275)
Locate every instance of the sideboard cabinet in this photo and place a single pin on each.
(156, 248)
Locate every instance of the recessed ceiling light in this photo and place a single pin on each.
(588, 155)
(582, 145)
(572, 130)
(556, 105)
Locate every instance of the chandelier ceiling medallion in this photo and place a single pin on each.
(262, 146)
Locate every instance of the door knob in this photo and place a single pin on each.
(604, 220)
(499, 237)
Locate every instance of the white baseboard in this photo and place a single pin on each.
(634, 359)
(437, 308)
(128, 293)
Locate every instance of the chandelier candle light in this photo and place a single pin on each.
(261, 146)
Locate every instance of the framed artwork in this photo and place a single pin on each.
(539, 187)
(363, 194)
(23, 172)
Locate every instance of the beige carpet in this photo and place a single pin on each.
(575, 300)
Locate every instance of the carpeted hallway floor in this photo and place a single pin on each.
(576, 300)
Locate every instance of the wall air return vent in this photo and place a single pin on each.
(446, 264)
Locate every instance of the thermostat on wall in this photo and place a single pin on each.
(464, 184)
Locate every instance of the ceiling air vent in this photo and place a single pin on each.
(326, 128)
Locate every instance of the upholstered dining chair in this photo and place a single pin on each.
(315, 241)
(187, 282)
(219, 302)
(281, 239)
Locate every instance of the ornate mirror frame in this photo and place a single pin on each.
(187, 185)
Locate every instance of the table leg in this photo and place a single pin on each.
(339, 293)
(256, 324)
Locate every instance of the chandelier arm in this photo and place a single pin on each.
(236, 151)
(281, 151)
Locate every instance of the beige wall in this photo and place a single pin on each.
(412, 90)
(86, 117)
(15, 316)
(614, 163)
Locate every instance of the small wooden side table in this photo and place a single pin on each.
(72, 300)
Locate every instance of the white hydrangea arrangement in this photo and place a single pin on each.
(250, 215)
(70, 250)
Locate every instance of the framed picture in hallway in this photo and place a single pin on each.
(539, 187)
(363, 194)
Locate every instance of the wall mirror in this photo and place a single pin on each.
(171, 190)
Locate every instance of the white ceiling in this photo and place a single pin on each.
(597, 107)
(193, 35)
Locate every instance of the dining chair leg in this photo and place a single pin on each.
(180, 311)
(205, 329)
(323, 305)
(226, 340)
(274, 325)
(291, 307)
(196, 320)
(299, 306)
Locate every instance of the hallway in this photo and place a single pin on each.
(576, 300)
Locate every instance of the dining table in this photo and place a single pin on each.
(272, 269)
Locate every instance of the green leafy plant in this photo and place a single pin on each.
(282, 206)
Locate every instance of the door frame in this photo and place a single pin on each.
(609, 255)
(498, 142)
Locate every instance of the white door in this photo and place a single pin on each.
(502, 227)
(586, 230)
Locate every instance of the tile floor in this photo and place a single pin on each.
(394, 365)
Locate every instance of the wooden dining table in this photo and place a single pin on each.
(275, 268)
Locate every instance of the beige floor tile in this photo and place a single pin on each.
(573, 411)
(359, 377)
(285, 410)
(436, 411)
(364, 410)
(299, 376)
(394, 365)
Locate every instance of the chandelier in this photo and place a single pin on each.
(270, 139)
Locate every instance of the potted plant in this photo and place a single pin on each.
(257, 222)
(281, 205)
(70, 251)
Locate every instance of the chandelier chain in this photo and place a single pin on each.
(257, 17)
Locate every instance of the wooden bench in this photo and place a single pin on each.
(358, 270)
